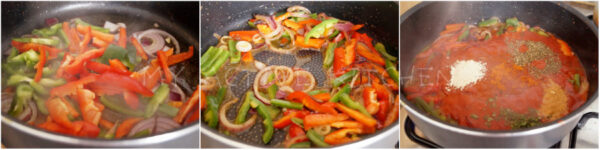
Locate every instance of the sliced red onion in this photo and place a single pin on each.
(34, 112)
(345, 26)
(156, 125)
(152, 43)
(51, 21)
(268, 84)
(256, 85)
(259, 65)
(161, 33)
(7, 99)
(27, 112)
(227, 125)
(338, 38)
(275, 26)
(288, 142)
(164, 124)
(176, 93)
(299, 9)
(280, 94)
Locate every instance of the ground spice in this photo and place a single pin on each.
(534, 54)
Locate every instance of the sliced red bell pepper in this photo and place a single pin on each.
(357, 27)
(104, 88)
(383, 112)
(313, 120)
(85, 129)
(40, 65)
(312, 43)
(295, 131)
(370, 100)
(131, 99)
(343, 57)
(188, 106)
(102, 68)
(124, 82)
(162, 58)
(70, 88)
(393, 114)
(23, 47)
(299, 96)
(195, 116)
(247, 57)
(76, 66)
(365, 120)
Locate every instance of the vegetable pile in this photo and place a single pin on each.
(358, 98)
(83, 80)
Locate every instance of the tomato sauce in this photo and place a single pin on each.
(529, 80)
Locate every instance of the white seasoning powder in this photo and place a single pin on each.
(465, 72)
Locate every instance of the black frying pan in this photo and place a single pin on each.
(178, 18)
(380, 19)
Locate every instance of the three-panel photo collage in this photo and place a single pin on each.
(299, 74)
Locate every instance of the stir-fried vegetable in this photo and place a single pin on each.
(70, 72)
(289, 98)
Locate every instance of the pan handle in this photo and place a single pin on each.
(580, 124)
(409, 129)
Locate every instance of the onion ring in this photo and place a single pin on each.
(227, 125)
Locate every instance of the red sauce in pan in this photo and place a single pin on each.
(528, 80)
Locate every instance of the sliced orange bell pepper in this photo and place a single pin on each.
(162, 58)
(281, 17)
(347, 124)
(357, 27)
(564, 47)
(393, 114)
(202, 100)
(291, 24)
(106, 124)
(86, 39)
(365, 52)
(138, 47)
(126, 126)
(313, 120)
(123, 37)
(310, 22)
(299, 96)
(342, 136)
(90, 112)
(195, 116)
(243, 35)
(324, 97)
(365, 120)
(177, 58)
(247, 57)
(312, 43)
(96, 42)
(116, 63)
(263, 29)
(60, 110)
(284, 121)
(103, 36)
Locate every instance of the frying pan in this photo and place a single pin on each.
(180, 19)
(422, 24)
(380, 19)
